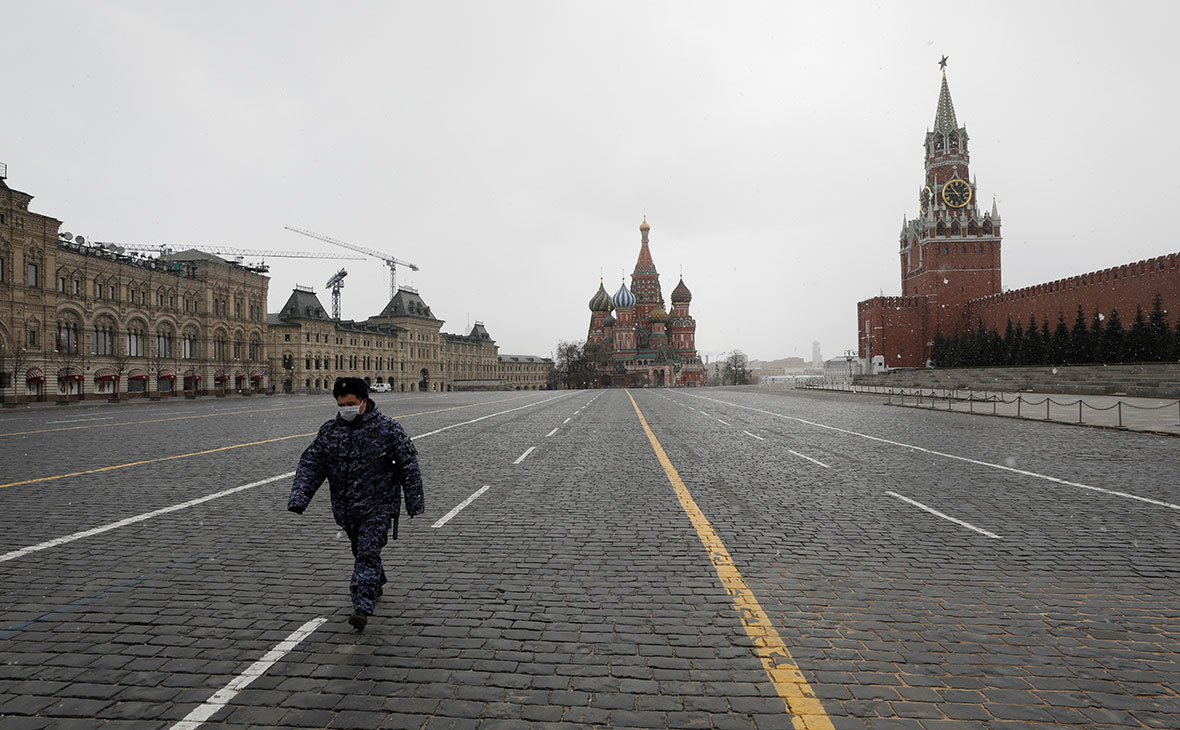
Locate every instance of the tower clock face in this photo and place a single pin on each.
(924, 198)
(956, 193)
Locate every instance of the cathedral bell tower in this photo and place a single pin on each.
(950, 253)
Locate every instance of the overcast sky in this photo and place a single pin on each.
(511, 149)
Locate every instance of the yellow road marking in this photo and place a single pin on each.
(784, 674)
(222, 448)
(230, 413)
(152, 461)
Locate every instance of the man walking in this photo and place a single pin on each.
(367, 459)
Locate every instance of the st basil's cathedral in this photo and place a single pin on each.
(634, 340)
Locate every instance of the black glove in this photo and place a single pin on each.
(295, 509)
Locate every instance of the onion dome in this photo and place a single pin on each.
(658, 315)
(681, 293)
(609, 320)
(644, 226)
(601, 301)
(624, 299)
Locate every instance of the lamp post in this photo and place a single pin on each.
(848, 357)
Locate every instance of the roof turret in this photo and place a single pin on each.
(601, 301)
(681, 293)
(623, 298)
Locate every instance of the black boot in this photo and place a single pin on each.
(358, 620)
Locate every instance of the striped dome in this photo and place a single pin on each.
(624, 299)
(681, 292)
(600, 302)
(608, 320)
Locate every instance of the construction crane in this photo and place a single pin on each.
(390, 261)
(336, 283)
(165, 250)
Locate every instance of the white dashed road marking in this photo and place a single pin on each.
(814, 461)
(754, 435)
(521, 458)
(221, 698)
(933, 511)
(459, 507)
(551, 433)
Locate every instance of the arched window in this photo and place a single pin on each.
(67, 336)
(188, 344)
(164, 338)
(135, 339)
(104, 338)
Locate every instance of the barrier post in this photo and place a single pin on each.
(1079, 411)
(1018, 405)
(1047, 402)
(1120, 414)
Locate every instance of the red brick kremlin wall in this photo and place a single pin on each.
(1122, 288)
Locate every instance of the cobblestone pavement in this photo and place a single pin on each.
(923, 569)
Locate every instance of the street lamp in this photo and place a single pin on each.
(848, 356)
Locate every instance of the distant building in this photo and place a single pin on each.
(950, 268)
(79, 320)
(402, 346)
(525, 372)
(816, 359)
(641, 343)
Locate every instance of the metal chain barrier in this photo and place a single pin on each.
(1020, 405)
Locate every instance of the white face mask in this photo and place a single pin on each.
(349, 413)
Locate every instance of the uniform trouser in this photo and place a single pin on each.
(368, 536)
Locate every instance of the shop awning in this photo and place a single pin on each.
(35, 379)
(138, 376)
(106, 377)
(167, 376)
(71, 378)
(256, 376)
(192, 377)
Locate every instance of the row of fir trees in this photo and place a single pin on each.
(1103, 339)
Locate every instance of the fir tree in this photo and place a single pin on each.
(1080, 350)
(1059, 345)
(1096, 332)
(938, 350)
(1034, 351)
(1138, 340)
(1016, 346)
(1157, 325)
(1046, 341)
(1113, 339)
(1009, 344)
(997, 355)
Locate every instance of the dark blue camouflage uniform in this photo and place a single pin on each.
(367, 463)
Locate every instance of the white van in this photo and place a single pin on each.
(380, 388)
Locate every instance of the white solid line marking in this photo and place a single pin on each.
(221, 698)
(566, 421)
(551, 433)
(193, 502)
(704, 414)
(725, 422)
(801, 456)
(447, 517)
(932, 452)
(754, 435)
(528, 451)
(933, 511)
(79, 420)
(137, 518)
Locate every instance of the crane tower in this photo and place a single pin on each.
(390, 261)
(336, 283)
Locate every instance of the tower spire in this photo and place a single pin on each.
(944, 118)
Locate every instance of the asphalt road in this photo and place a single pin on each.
(711, 558)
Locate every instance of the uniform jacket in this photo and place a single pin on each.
(367, 463)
